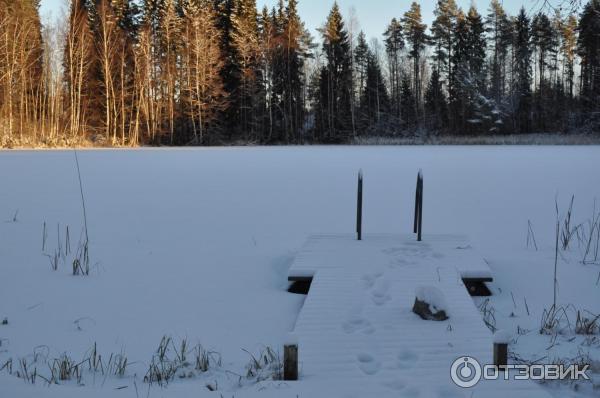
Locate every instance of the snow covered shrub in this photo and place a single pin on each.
(587, 326)
(160, 372)
(554, 321)
(268, 366)
(62, 254)
(206, 359)
(64, 368)
(7, 366)
(119, 365)
(162, 369)
(489, 315)
(171, 361)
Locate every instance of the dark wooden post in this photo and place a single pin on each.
(419, 207)
(359, 206)
(290, 362)
(501, 340)
(501, 355)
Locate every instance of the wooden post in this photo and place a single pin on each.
(290, 362)
(501, 355)
(359, 206)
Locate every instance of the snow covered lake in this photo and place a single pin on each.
(196, 243)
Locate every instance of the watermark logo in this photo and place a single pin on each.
(467, 372)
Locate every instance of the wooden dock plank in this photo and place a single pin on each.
(357, 321)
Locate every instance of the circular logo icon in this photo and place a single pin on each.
(466, 372)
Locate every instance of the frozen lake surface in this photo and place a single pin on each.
(196, 244)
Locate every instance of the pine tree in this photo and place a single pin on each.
(569, 51)
(415, 33)
(202, 88)
(244, 33)
(459, 78)
(442, 30)
(500, 31)
(394, 44)
(267, 41)
(589, 51)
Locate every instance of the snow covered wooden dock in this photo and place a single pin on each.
(357, 324)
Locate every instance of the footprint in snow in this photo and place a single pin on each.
(448, 392)
(370, 279)
(358, 324)
(396, 385)
(368, 364)
(401, 262)
(392, 251)
(380, 294)
(411, 392)
(407, 359)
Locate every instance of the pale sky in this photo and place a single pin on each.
(373, 15)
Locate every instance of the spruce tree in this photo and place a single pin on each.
(336, 80)
(361, 61)
(544, 42)
(231, 71)
(407, 103)
(374, 102)
(522, 91)
(436, 106)
(296, 46)
(244, 33)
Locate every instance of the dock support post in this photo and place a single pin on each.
(500, 355)
(290, 362)
(359, 206)
(419, 207)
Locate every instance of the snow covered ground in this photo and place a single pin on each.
(195, 244)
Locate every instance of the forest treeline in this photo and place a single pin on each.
(209, 72)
